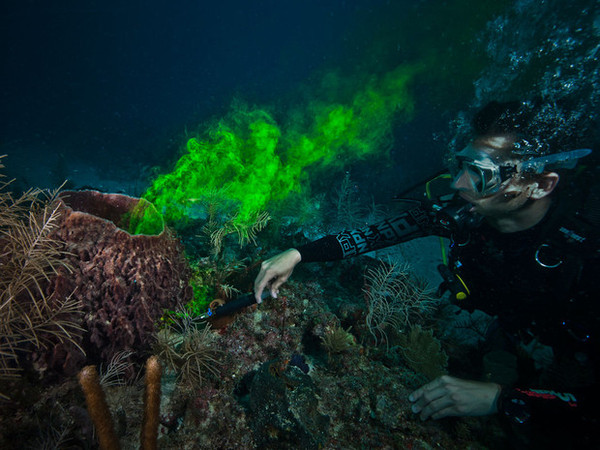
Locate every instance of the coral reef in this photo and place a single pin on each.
(100, 414)
(395, 300)
(189, 351)
(276, 388)
(30, 317)
(286, 374)
(337, 340)
(283, 409)
(263, 399)
(124, 281)
(423, 352)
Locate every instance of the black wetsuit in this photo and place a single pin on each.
(557, 305)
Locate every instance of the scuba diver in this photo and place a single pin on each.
(522, 250)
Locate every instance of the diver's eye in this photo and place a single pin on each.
(487, 176)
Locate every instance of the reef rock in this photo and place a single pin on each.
(283, 409)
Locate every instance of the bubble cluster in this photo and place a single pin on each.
(546, 54)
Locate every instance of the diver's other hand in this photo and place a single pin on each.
(275, 271)
(448, 396)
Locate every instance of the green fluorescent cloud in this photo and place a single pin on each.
(251, 160)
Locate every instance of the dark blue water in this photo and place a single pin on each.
(100, 92)
(113, 85)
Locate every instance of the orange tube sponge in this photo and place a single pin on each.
(149, 435)
(98, 409)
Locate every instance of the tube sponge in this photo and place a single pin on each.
(98, 408)
(149, 434)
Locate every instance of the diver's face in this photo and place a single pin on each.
(490, 197)
(510, 198)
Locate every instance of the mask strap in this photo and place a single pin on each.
(565, 160)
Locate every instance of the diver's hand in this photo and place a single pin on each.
(275, 271)
(448, 396)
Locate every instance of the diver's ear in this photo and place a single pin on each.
(545, 184)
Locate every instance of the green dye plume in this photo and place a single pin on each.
(143, 219)
(251, 161)
(236, 158)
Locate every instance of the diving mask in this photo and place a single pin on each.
(485, 174)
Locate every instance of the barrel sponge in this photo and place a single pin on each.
(124, 281)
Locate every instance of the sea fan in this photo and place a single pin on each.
(394, 298)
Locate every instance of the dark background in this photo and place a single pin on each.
(99, 92)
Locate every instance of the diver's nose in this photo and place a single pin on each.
(462, 181)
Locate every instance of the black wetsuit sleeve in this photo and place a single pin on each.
(413, 223)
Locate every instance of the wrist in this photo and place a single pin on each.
(499, 400)
(511, 404)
